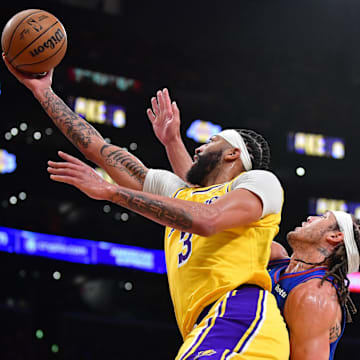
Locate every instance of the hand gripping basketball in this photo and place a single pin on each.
(34, 83)
(34, 41)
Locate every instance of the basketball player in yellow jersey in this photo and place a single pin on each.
(222, 302)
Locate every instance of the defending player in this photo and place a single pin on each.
(223, 304)
(311, 287)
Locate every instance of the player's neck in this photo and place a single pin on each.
(302, 260)
(222, 174)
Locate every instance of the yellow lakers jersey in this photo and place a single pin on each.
(202, 269)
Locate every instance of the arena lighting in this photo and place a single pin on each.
(81, 250)
(99, 111)
(39, 334)
(319, 206)
(107, 209)
(354, 282)
(13, 200)
(23, 126)
(104, 80)
(94, 252)
(126, 285)
(37, 135)
(124, 216)
(54, 348)
(202, 131)
(22, 195)
(56, 275)
(7, 162)
(316, 145)
(49, 131)
(300, 171)
(133, 146)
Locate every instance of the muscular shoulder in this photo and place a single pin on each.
(256, 176)
(265, 185)
(313, 294)
(314, 302)
(162, 182)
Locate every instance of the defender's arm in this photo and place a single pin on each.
(278, 252)
(310, 312)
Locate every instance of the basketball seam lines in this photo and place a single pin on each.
(12, 35)
(33, 41)
(43, 60)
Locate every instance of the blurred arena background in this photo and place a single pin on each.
(82, 279)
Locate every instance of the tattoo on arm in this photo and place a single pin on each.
(335, 332)
(171, 215)
(121, 159)
(77, 130)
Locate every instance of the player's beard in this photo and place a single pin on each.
(203, 167)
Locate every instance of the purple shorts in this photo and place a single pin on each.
(237, 323)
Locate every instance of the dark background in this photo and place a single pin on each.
(272, 66)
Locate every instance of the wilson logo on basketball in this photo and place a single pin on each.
(49, 43)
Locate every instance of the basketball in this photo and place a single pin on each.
(34, 41)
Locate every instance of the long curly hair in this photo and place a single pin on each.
(337, 264)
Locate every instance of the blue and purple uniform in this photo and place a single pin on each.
(282, 284)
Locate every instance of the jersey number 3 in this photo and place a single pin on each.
(185, 239)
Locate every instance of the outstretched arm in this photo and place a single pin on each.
(123, 167)
(165, 119)
(241, 207)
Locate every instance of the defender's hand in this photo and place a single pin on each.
(164, 117)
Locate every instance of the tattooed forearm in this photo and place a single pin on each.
(335, 332)
(154, 209)
(124, 161)
(76, 129)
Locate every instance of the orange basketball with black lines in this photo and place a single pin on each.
(34, 41)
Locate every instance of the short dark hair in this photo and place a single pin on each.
(258, 147)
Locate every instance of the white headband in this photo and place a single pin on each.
(236, 140)
(345, 223)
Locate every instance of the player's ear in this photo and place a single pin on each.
(335, 237)
(231, 154)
